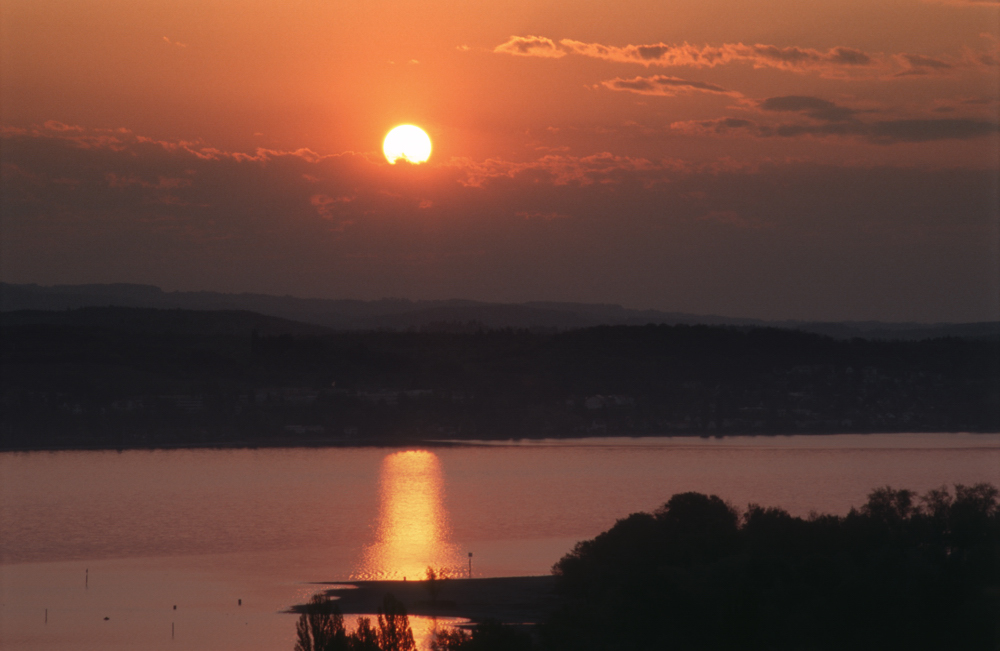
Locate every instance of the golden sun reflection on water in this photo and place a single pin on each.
(412, 531)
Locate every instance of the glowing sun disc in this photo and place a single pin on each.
(407, 142)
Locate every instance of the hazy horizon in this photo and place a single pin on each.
(457, 301)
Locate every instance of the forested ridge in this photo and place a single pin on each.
(122, 377)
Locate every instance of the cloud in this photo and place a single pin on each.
(920, 61)
(795, 59)
(759, 55)
(770, 239)
(531, 46)
(835, 62)
(54, 125)
(882, 132)
(920, 65)
(174, 43)
(716, 126)
(828, 119)
(162, 183)
(924, 130)
(666, 86)
(813, 107)
(604, 168)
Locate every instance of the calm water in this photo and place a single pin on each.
(89, 535)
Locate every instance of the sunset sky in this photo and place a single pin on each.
(829, 160)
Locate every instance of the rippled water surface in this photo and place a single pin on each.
(89, 535)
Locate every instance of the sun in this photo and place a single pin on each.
(407, 142)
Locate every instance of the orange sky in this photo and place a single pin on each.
(125, 124)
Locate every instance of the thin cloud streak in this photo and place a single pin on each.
(832, 120)
(666, 86)
(793, 59)
(531, 46)
(880, 132)
(836, 62)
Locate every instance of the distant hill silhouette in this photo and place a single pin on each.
(402, 314)
(151, 321)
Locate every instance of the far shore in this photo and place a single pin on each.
(402, 441)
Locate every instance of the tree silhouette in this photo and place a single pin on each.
(435, 581)
(365, 637)
(488, 635)
(321, 626)
(394, 632)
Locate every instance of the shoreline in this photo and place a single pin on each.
(521, 600)
(390, 442)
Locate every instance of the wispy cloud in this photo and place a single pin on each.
(813, 107)
(827, 119)
(795, 59)
(838, 62)
(531, 46)
(667, 86)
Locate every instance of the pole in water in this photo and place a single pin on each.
(46, 615)
(86, 578)
(470, 565)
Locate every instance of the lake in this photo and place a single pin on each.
(89, 535)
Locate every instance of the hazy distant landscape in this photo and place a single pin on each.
(113, 377)
(403, 314)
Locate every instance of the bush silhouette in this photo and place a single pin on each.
(900, 572)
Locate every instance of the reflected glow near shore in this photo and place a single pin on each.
(412, 531)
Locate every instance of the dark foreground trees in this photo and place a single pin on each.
(321, 628)
(900, 573)
(903, 572)
(489, 635)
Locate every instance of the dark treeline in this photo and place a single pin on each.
(121, 377)
(900, 573)
(321, 627)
